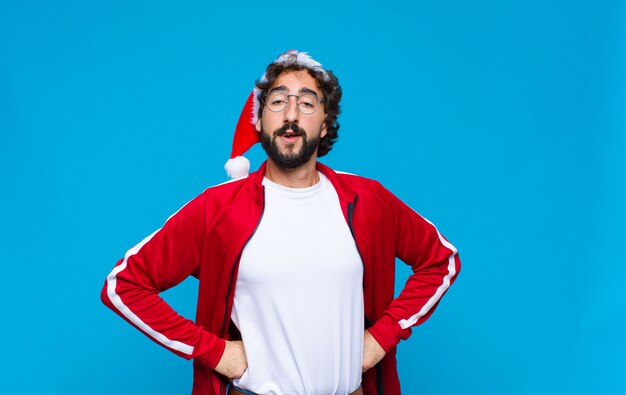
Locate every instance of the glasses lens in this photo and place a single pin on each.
(308, 103)
(276, 101)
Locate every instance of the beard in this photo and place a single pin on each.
(290, 159)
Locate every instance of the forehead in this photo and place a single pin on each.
(296, 80)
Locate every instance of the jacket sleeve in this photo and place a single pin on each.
(160, 261)
(435, 264)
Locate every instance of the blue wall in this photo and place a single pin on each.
(502, 123)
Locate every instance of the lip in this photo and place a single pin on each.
(290, 139)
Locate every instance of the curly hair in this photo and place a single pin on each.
(329, 85)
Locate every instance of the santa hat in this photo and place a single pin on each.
(245, 132)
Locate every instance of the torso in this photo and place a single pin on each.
(299, 297)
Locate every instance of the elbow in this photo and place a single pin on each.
(457, 265)
(104, 295)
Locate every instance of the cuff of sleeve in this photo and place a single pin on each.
(388, 332)
(210, 350)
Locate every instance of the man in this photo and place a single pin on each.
(295, 261)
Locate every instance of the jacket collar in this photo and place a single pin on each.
(344, 191)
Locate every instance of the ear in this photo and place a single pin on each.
(324, 130)
(257, 125)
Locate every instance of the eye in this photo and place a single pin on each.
(276, 101)
(307, 101)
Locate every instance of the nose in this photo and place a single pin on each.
(291, 112)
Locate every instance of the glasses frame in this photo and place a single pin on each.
(319, 101)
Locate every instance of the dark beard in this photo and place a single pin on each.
(290, 160)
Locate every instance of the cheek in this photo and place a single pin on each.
(269, 122)
(322, 126)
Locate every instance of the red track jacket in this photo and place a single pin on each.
(206, 237)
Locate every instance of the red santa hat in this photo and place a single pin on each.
(245, 132)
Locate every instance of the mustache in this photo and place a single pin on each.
(293, 127)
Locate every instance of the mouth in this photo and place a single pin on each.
(291, 136)
(290, 133)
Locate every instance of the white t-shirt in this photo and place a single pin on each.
(299, 296)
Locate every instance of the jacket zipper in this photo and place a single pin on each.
(379, 378)
(350, 214)
(232, 271)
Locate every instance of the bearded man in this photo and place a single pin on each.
(295, 261)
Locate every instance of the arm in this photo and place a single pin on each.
(233, 362)
(160, 261)
(435, 264)
(372, 351)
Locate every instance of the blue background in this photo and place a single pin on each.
(502, 122)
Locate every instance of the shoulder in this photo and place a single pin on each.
(225, 193)
(360, 183)
(357, 180)
(370, 192)
(367, 189)
(227, 186)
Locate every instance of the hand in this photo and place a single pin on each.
(372, 351)
(233, 362)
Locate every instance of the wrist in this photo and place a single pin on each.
(211, 353)
(388, 332)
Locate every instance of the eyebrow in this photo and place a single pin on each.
(307, 90)
(283, 88)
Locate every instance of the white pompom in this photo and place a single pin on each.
(237, 167)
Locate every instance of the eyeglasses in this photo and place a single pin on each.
(307, 103)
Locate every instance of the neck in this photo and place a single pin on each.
(300, 177)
